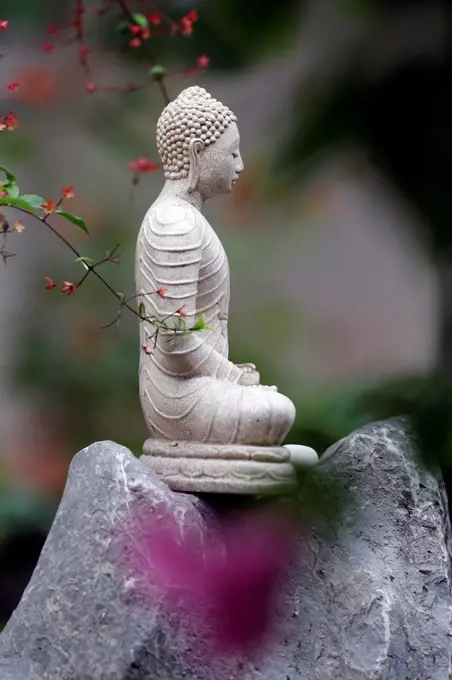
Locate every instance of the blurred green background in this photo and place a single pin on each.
(338, 232)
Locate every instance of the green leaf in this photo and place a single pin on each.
(157, 71)
(10, 178)
(123, 26)
(199, 325)
(34, 200)
(73, 218)
(141, 309)
(180, 326)
(141, 20)
(85, 261)
(17, 203)
(13, 191)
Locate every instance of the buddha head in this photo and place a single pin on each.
(199, 143)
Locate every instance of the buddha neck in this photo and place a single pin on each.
(178, 189)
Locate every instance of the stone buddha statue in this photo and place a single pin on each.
(213, 427)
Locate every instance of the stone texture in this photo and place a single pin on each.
(366, 599)
(374, 597)
(221, 468)
(80, 618)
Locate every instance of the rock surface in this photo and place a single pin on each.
(375, 597)
(369, 599)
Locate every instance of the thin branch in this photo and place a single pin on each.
(160, 80)
(91, 268)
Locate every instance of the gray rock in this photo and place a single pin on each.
(375, 594)
(81, 618)
(366, 598)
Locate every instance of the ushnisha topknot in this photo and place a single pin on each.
(194, 114)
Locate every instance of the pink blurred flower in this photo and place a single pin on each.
(227, 583)
(203, 61)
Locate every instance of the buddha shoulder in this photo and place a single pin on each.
(172, 219)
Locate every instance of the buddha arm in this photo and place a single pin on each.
(170, 257)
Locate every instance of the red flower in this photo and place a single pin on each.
(146, 349)
(52, 30)
(135, 42)
(135, 29)
(49, 207)
(203, 61)
(50, 283)
(186, 27)
(9, 122)
(143, 165)
(187, 22)
(192, 16)
(3, 24)
(84, 49)
(18, 226)
(90, 87)
(162, 292)
(68, 288)
(48, 47)
(13, 86)
(67, 192)
(181, 311)
(155, 18)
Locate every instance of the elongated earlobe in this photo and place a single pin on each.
(196, 145)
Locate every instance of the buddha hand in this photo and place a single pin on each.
(249, 375)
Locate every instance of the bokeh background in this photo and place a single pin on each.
(338, 232)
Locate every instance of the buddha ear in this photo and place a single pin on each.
(195, 146)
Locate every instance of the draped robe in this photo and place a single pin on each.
(189, 389)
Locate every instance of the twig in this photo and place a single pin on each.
(160, 80)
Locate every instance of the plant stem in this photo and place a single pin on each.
(160, 81)
(91, 268)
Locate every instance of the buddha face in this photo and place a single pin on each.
(219, 164)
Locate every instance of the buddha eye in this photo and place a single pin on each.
(235, 155)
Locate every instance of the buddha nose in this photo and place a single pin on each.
(240, 166)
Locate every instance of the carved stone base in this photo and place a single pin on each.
(221, 468)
